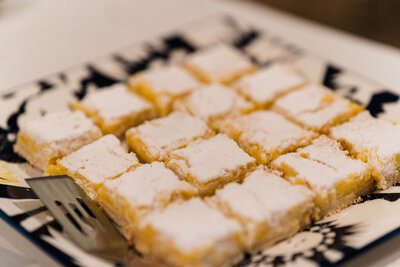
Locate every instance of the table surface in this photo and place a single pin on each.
(374, 19)
(42, 37)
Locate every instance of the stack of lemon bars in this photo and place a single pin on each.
(202, 161)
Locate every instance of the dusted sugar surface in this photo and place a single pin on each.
(374, 141)
(191, 225)
(215, 101)
(115, 102)
(265, 51)
(220, 63)
(45, 140)
(337, 180)
(267, 84)
(327, 151)
(315, 106)
(142, 186)
(241, 202)
(264, 195)
(171, 80)
(311, 98)
(322, 164)
(210, 159)
(59, 126)
(100, 160)
(266, 132)
(315, 174)
(160, 136)
(365, 133)
(276, 194)
(270, 130)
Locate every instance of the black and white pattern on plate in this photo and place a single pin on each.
(320, 243)
(328, 242)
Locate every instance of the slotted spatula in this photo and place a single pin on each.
(83, 221)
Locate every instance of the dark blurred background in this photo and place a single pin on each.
(378, 20)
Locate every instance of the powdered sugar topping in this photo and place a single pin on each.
(364, 132)
(58, 126)
(206, 102)
(192, 225)
(212, 158)
(143, 185)
(100, 160)
(268, 83)
(171, 132)
(170, 79)
(220, 62)
(115, 101)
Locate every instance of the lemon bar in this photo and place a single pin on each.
(190, 233)
(266, 85)
(374, 141)
(337, 180)
(210, 164)
(93, 164)
(219, 64)
(154, 139)
(265, 51)
(162, 85)
(45, 140)
(130, 196)
(266, 134)
(206, 103)
(115, 109)
(267, 206)
(316, 107)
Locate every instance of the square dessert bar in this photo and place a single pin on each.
(115, 109)
(45, 140)
(219, 64)
(210, 164)
(212, 103)
(128, 197)
(266, 85)
(337, 180)
(374, 141)
(190, 233)
(162, 85)
(265, 51)
(154, 139)
(267, 206)
(93, 164)
(316, 107)
(265, 134)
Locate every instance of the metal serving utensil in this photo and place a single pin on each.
(83, 220)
